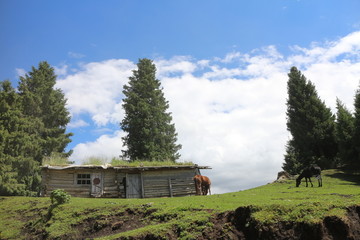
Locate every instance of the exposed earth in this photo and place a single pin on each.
(236, 224)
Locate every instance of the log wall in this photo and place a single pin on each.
(155, 183)
(169, 183)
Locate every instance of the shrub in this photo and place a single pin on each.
(59, 196)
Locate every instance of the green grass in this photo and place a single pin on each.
(189, 215)
(58, 160)
(119, 163)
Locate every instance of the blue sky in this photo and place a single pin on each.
(222, 64)
(48, 30)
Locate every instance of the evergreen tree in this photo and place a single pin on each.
(150, 134)
(356, 136)
(32, 126)
(20, 146)
(310, 122)
(344, 133)
(41, 101)
(291, 164)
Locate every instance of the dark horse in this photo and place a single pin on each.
(202, 185)
(307, 173)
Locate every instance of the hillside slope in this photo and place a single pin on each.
(273, 211)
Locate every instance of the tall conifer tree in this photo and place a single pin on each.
(310, 122)
(20, 146)
(344, 133)
(42, 101)
(32, 126)
(150, 134)
(356, 136)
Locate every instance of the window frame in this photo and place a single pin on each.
(83, 179)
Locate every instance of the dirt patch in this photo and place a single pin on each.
(238, 224)
(125, 221)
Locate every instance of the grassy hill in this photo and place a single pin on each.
(269, 212)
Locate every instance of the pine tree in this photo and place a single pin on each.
(310, 122)
(291, 164)
(344, 133)
(356, 136)
(40, 100)
(20, 146)
(150, 134)
(32, 126)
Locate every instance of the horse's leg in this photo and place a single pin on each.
(320, 181)
(306, 181)
(198, 184)
(311, 182)
(206, 190)
(209, 191)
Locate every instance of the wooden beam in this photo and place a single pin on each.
(170, 188)
(142, 185)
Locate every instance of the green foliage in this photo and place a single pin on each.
(119, 162)
(345, 127)
(150, 134)
(291, 164)
(20, 146)
(310, 122)
(95, 161)
(32, 126)
(356, 136)
(42, 101)
(59, 196)
(56, 159)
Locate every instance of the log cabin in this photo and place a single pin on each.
(121, 182)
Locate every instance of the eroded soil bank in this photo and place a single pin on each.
(238, 224)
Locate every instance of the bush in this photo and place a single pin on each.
(59, 196)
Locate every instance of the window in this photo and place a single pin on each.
(83, 179)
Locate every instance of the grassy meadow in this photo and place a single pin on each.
(21, 217)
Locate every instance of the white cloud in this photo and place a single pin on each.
(230, 118)
(61, 70)
(96, 89)
(78, 123)
(177, 64)
(331, 50)
(75, 55)
(230, 57)
(20, 72)
(106, 146)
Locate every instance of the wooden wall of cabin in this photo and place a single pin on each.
(168, 183)
(155, 183)
(67, 179)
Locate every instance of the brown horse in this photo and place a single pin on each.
(202, 185)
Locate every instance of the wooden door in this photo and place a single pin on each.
(96, 185)
(133, 186)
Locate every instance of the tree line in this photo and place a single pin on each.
(317, 135)
(33, 120)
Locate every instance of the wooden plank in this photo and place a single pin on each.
(170, 188)
(126, 192)
(142, 185)
(58, 181)
(112, 188)
(158, 182)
